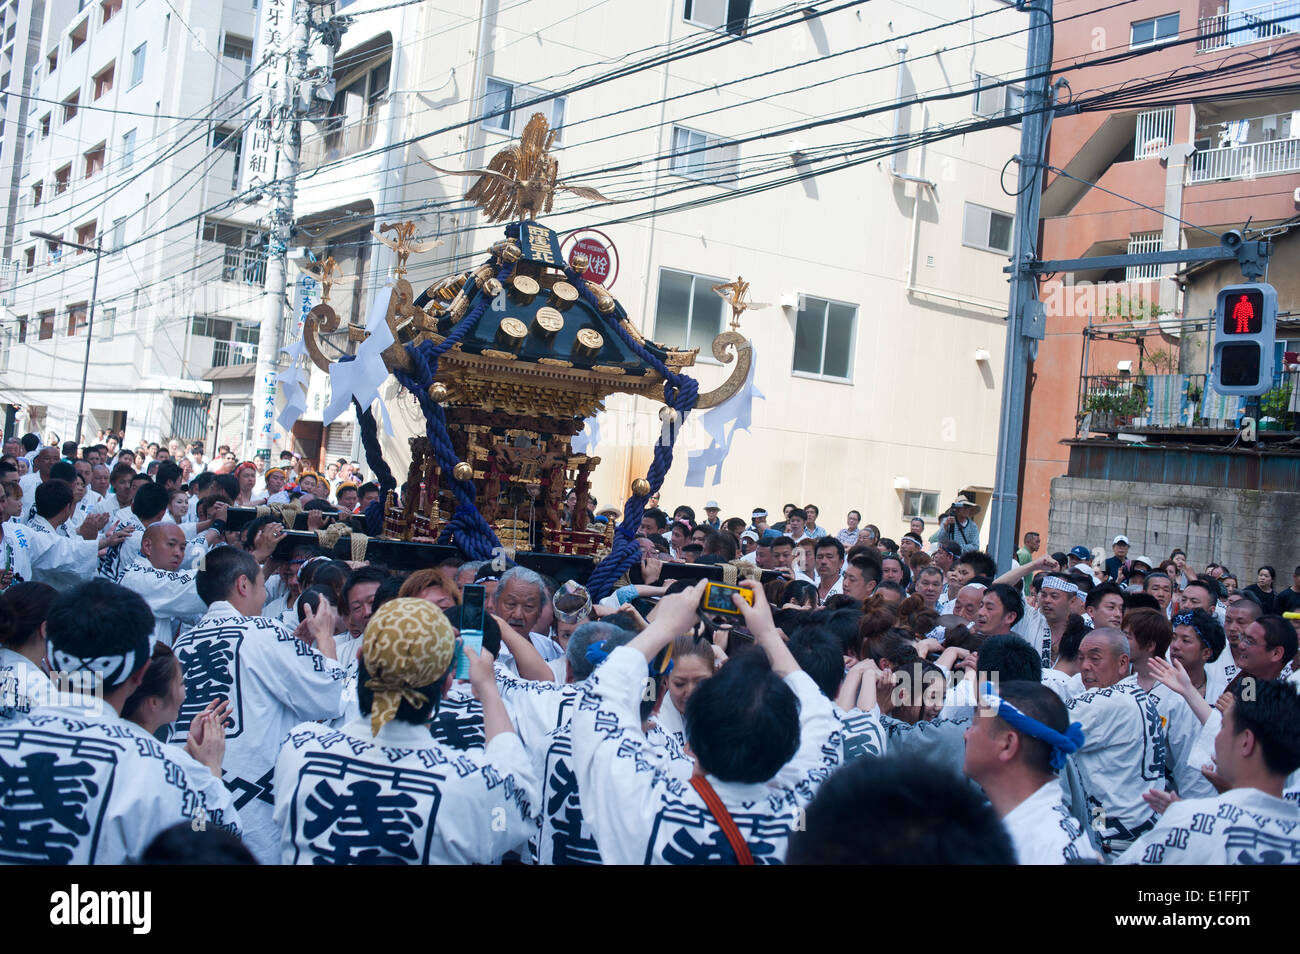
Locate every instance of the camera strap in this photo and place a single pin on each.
(723, 817)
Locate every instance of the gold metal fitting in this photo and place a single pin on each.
(563, 295)
(547, 322)
(511, 334)
(463, 471)
(641, 487)
(523, 289)
(579, 261)
(588, 343)
(492, 288)
(438, 392)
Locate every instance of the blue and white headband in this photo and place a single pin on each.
(1062, 744)
(1185, 619)
(1056, 583)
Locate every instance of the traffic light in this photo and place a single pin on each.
(1245, 320)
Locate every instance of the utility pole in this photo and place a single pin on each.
(1025, 317)
(286, 134)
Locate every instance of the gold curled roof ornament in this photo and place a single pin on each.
(736, 295)
(520, 181)
(323, 319)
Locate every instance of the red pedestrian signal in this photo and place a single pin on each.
(1243, 313)
(1245, 322)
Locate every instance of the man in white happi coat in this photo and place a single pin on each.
(765, 740)
(1250, 823)
(1015, 747)
(58, 557)
(78, 783)
(1125, 749)
(156, 575)
(273, 681)
(381, 790)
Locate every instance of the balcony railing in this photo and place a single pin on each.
(1148, 404)
(1239, 27)
(1269, 158)
(227, 353)
(246, 265)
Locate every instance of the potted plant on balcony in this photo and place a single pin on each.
(1115, 405)
(1274, 408)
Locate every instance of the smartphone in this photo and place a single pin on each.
(717, 598)
(472, 603)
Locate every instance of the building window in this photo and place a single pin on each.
(117, 238)
(78, 35)
(45, 126)
(6, 340)
(47, 325)
(61, 179)
(128, 150)
(238, 48)
(729, 15)
(995, 100)
(137, 64)
(921, 503)
(51, 61)
(111, 9)
(688, 313)
(95, 161)
(104, 81)
(22, 329)
(70, 106)
(53, 252)
(244, 258)
(986, 228)
(698, 155)
(1153, 31)
(85, 235)
(37, 189)
(823, 338)
(107, 324)
(504, 97)
(29, 259)
(76, 318)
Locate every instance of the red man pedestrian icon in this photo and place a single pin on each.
(1243, 314)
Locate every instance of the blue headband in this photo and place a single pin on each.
(596, 654)
(1185, 619)
(1062, 745)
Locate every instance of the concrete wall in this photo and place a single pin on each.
(1242, 529)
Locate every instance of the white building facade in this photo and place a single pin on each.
(880, 360)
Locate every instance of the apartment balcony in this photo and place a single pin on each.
(1247, 161)
(228, 353)
(1251, 25)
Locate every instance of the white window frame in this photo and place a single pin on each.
(988, 212)
(910, 512)
(853, 339)
(988, 83)
(1155, 40)
(703, 357)
(691, 7)
(710, 157)
(139, 58)
(514, 121)
(128, 150)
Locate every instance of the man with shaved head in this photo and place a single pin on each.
(156, 575)
(1124, 748)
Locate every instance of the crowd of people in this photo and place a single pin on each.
(171, 689)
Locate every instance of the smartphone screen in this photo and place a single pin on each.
(473, 597)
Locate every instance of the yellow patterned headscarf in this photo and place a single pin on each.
(408, 644)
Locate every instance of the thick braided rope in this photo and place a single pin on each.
(471, 532)
(680, 393)
(370, 443)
